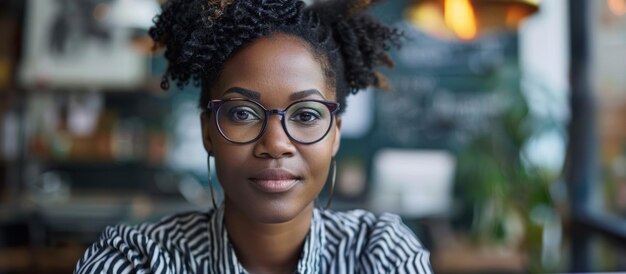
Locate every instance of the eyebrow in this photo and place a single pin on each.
(245, 92)
(256, 95)
(304, 93)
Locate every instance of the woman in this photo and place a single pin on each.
(274, 77)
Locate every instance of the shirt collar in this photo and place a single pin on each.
(310, 258)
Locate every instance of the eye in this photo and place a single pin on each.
(307, 116)
(242, 113)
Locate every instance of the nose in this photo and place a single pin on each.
(274, 143)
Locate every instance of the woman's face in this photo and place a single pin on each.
(273, 179)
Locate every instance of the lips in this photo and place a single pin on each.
(274, 180)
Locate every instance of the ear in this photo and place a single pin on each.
(337, 140)
(206, 137)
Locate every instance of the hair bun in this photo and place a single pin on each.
(363, 41)
(213, 9)
(357, 6)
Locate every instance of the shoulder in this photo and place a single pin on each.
(146, 248)
(376, 227)
(347, 221)
(382, 242)
(392, 244)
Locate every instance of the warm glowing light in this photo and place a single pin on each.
(515, 15)
(459, 16)
(617, 7)
(428, 16)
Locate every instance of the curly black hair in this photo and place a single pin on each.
(200, 35)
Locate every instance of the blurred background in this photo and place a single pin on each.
(502, 143)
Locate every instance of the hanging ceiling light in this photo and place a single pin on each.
(465, 19)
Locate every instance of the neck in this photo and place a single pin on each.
(267, 248)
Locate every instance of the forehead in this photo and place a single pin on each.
(276, 65)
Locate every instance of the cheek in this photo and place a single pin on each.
(317, 157)
(230, 166)
(228, 157)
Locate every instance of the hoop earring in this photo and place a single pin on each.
(332, 186)
(208, 163)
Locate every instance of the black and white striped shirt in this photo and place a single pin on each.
(197, 242)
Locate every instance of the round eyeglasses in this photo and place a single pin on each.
(243, 121)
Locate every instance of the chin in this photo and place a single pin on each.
(274, 218)
(279, 213)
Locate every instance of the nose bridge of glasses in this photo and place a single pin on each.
(270, 127)
(271, 112)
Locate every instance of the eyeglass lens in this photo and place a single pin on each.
(243, 121)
